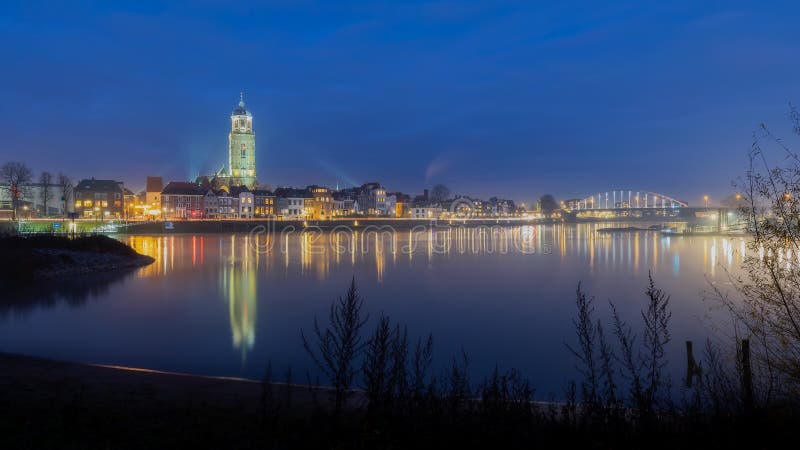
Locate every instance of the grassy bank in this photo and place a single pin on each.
(31, 257)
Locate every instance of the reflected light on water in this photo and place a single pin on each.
(315, 255)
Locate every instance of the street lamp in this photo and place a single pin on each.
(705, 199)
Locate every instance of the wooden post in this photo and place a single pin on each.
(692, 369)
(747, 376)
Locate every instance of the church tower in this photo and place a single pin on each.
(242, 147)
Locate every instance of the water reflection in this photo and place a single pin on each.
(241, 261)
(238, 288)
(315, 254)
(73, 291)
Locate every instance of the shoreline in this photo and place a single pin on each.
(57, 257)
(32, 380)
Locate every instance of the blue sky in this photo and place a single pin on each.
(514, 99)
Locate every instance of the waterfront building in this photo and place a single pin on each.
(344, 203)
(290, 203)
(426, 211)
(227, 204)
(244, 202)
(99, 199)
(264, 203)
(210, 204)
(321, 204)
(131, 203)
(372, 199)
(182, 200)
(397, 204)
(499, 207)
(152, 196)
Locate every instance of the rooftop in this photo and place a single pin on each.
(99, 185)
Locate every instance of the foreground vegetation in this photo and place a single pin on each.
(384, 390)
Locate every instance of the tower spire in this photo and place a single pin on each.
(241, 99)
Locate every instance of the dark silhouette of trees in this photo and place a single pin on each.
(14, 177)
(548, 204)
(440, 193)
(338, 347)
(65, 189)
(45, 194)
(765, 301)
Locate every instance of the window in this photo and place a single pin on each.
(116, 195)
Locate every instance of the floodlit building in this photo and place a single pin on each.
(321, 204)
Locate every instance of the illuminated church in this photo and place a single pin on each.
(241, 170)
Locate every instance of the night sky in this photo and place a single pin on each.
(487, 97)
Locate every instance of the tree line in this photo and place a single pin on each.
(16, 179)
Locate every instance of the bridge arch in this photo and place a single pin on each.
(627, 199)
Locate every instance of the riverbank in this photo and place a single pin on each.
(266, 226)
(37, 257)
(55, 404)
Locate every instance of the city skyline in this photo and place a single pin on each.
(507, 100)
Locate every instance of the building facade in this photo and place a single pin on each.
(264, 201)
(321, 204)
(242, 148)
(99, 199)
(152, 196)
(182, 200)
(290, 203)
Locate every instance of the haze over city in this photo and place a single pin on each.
(489, 98)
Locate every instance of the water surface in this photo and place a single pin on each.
(225, 304)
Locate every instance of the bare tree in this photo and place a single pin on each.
(45, 184)
(548, 204)
(766, 297)
(65, 189)
(338, 346)
(440, 193)
(14, 177)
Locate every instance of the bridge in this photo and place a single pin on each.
(625, 199)
(642, 205)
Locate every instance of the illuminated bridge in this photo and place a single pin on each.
(625, 199)
(625, 204)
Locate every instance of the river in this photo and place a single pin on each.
(225, 304)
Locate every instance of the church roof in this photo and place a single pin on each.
(240, 109)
